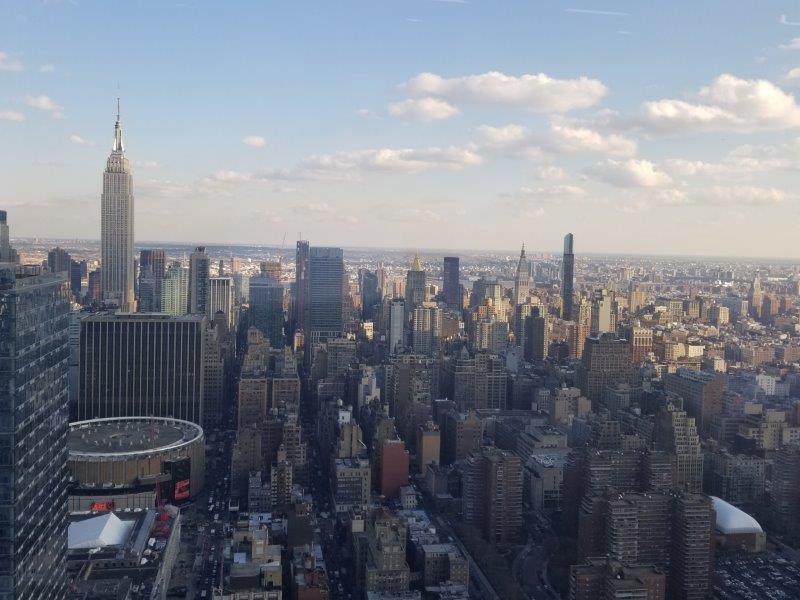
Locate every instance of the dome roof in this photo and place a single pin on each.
(733, 520)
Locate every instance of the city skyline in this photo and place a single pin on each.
(503, 137)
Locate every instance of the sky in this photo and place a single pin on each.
(641, 127)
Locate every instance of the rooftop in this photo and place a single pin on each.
(731, 519)
(129, 435)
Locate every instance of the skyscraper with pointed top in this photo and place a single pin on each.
(522, 280)
(116, 226)
(415, 286)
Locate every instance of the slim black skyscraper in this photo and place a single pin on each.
(34, 396)
(370, 292)
(567, 278)
(451, 286)
(199, 274)
(301, 286)
(326, 274)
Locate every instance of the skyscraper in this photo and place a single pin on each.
(567, 278)
(175, 290)
(6, 252)
(606, 361)
(58, 260)
(116, 226)
(396, 321)
(34, 373)
(415, 286)
(266, 308)
(220, 298)
(301, 289)
(199, 274)
(325, 293)
(370, 292)
(141, 365)
(152, 261)
(450, 282)
(522, 279)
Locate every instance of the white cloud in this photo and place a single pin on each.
(629, 173)
(146, 164)
(413, 215)
(592, 11)
(349, 164)
(365, 112)
(793, 74)
(569, 140)
(535, 92)
(256, 141)
(784, 20)
(45, 103)
(516, 140)
(79, 141)
(551, 173)
(552, 192)
(48, 68)
(423, 109)
(745, 195)
(9, 64)
(794, 44)
(322, 211)
(728, 104)
(228, 176)
(11, 115)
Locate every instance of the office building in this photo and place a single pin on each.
(370, 293)
(522, 279)
(152, 263)
(492, 494)
(301, 286)
(326, 297)
(462, 433)
(397, 312)
(116, 226)
(220, 298)
(7, 253)
(58, 260)
(701, 393)
(604, 313)
(415, 286)
(351, 484)
(199, 274)
(567, 278)
(426, 329)
(34, 354)
(392, 467)
(175, 291)
(266, 308)
(140, 365)
(609, 579)
(606, 361)
(386, 570)
(451, 284)
(537, 338)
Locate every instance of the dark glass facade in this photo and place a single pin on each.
(138, 365)
(34, 372)
(266, 308)
(326, 273)
(450, 284)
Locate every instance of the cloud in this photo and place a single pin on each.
(728, 104)
(256, 141)
(629, 173)
(793, 73)
(9, 64)
(270, 216)
(534, 92)
(423, 109)
(552, 192)
(45, 103)
(48, 68)
(516, 140)
(79, 141)
(411, 215)
(11, 115)
(352, 164)
(146, 164)
(794, 44)
(750, 195)
(322, 211)
(784, 20)
(228, 176)
(591, 11)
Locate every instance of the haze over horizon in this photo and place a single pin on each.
(349, 123)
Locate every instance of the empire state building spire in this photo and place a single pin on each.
(116, 226)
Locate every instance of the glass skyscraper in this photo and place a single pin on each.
(34, 396)
(326, 282)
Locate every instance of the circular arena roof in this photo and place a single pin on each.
(733, 520)
(127, 437)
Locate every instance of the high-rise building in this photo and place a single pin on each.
(386, 571)
(702, 394)
(583, 326)
(175, 290)
(370, 293)
(415, 286)
(141, 365)
(536, 336)
(606, 361)
(676, 434)
(34, 374)
(325, 293)
(220, 298)
(301, 286)
(567, 278)
(492, 494)
(266, 308)
(692, 564)
(604, 313)
(609, 579)
(58, 260)
(116, 226)
(397, 315)
(522, 279)
(450, 283)
(426, 329)
(7, 253)
(462, 433)
(156, 261)
(199, 274)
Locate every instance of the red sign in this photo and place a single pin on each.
(102, 506)
(182, 489)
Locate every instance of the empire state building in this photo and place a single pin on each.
(116, 226)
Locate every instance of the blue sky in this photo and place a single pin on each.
(641, 127)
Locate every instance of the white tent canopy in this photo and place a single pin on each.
(731, 519)
(98, 532)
